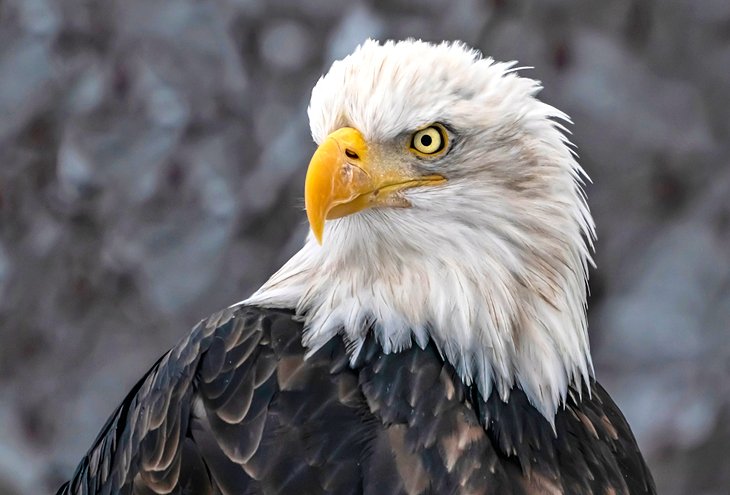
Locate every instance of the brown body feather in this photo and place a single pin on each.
(236, 409)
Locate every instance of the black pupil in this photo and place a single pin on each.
(426, 140)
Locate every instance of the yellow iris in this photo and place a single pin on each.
(430, 140)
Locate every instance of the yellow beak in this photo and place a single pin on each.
(343, 179)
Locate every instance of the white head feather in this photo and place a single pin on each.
(490, 265)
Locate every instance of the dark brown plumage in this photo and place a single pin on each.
(236, 409)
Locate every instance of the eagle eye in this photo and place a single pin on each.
(429, 141)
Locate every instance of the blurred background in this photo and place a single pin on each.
(152, 156)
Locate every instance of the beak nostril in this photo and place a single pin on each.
(351, 154)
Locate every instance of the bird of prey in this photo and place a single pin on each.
(429, 337)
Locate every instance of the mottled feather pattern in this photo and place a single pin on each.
(235, 408)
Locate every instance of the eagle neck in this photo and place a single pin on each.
(497, 330)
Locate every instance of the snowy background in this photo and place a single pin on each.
(152, 155)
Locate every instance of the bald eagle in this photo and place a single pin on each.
(429, 337)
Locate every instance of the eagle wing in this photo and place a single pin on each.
(233, 409)
(236, 409)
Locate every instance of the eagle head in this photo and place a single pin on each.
(445, 205)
